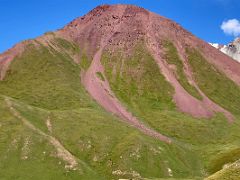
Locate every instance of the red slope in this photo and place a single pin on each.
(137, 23)
(101, 92)
(185, 102)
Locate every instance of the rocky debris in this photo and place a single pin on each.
(170, 172)
(25, 149)
(135, 154)
(134, 174)
(48, 124)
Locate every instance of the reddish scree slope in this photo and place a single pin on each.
(110, 28)
(89, 31)
(101, 92)
(122, 26)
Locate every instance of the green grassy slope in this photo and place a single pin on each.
(229, 172)
(137, 81)
(214, 83)
(44, 85)
(138, 84)
(173, 58)
(24, 154)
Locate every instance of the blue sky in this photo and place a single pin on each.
(20, 20)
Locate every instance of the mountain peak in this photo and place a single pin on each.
(128, 22)
(113, 9)
(237, 40)
(105, 7)
(232, 49)
(94, 99)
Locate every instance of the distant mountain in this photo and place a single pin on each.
(120, 93)
(232, 49)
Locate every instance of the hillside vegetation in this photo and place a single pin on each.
(42, 102)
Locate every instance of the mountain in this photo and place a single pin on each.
(119, 93)
(232, 49)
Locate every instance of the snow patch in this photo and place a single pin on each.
(232, 49)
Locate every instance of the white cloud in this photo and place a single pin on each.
(231, 27)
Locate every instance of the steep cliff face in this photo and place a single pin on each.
(129, 93)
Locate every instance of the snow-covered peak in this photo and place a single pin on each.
(232, 49)
(216, 45)
(237, 40)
